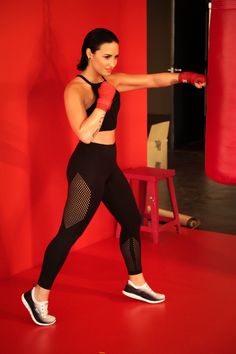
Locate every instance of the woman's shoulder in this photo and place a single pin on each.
(76, 86)
(114, 79)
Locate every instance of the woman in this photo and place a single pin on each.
(92, 102)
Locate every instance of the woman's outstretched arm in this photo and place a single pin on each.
(127, 82)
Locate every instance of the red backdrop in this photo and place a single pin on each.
(40, 45)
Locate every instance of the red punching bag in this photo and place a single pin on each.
(221, 94)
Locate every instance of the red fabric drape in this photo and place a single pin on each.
(40, 46)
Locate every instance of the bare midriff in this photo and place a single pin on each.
(106, 137)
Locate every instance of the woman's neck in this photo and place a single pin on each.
(92, 75)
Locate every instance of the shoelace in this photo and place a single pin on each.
(147, 287)
(43, 309)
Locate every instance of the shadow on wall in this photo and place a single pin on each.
(49, 145)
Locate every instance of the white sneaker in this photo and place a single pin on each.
(38, 309)
(143, 293)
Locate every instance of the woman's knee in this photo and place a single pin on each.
(70, 235)
(132, 225)
(135, 220)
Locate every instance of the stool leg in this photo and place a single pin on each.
(174, 203)
(153, 191)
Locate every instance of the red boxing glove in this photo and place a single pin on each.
(106, 93)
(192, 78)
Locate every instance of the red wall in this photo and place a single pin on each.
(40, 45)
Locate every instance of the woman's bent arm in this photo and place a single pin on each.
(83, 126)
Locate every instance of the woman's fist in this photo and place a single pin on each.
(198, 80)
(106, 93)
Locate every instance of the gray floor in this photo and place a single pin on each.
(213, 203)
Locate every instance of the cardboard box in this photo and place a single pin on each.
(158, 145)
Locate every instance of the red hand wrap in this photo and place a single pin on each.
(106, 93)
(192, 78)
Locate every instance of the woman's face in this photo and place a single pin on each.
(105, 59)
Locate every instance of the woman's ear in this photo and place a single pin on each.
(89, 53)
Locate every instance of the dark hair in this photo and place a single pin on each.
(93, 40)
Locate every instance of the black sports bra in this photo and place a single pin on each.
(110, 119)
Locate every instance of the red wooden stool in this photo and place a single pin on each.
(148, 178)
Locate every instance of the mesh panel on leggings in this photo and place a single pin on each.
(131, 252)
(77, 204)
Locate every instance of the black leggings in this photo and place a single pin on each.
(94, 176)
